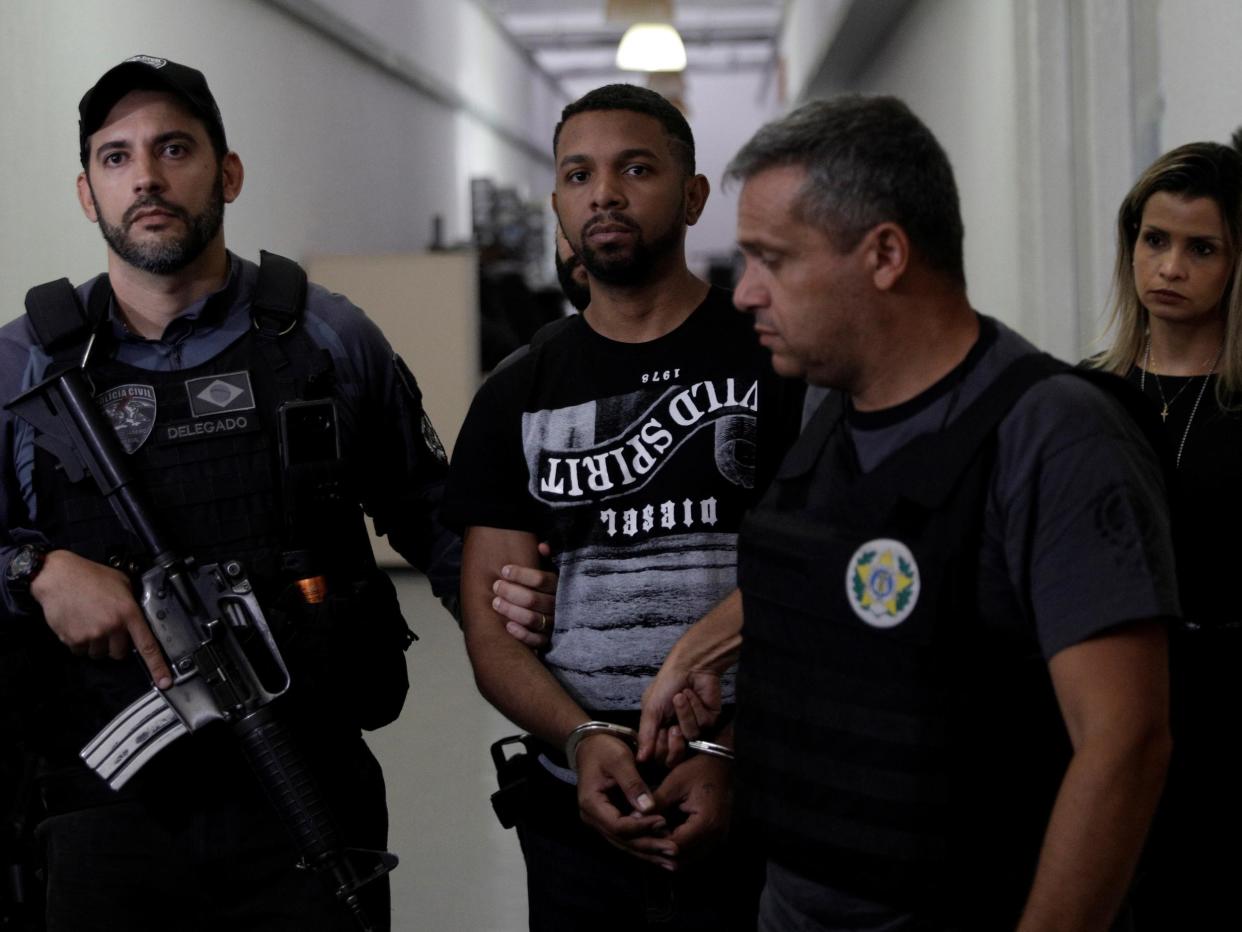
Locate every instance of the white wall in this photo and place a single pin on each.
(725, 111)
(1045, 108)
(459, 42)
(340, 156)
(808, 29)
(952, 62)
(1201, 73)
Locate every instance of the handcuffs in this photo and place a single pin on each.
(630, 737)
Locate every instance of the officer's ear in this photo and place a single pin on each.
(85, 199)
(697, 189)
(886, 249)
(231, 176)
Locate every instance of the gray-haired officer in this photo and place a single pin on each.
(952, 688)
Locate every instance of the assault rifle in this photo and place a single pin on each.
(215, 638)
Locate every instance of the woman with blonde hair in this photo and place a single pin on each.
(1177, 334)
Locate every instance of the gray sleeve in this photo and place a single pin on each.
(1079, 507)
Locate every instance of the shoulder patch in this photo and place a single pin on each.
(432, 439)
(407, 380)
(410, 385)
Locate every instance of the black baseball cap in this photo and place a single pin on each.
(148, 72)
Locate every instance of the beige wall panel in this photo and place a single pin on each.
(428, 307)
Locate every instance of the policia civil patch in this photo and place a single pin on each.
(131, 410)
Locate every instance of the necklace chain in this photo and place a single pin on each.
(1164, 413)
(1165, 402)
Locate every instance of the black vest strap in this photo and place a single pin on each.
(952, 452)
(57, 316)
(280, 295)
(62, 324)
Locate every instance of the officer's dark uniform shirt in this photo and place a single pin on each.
(905, 581)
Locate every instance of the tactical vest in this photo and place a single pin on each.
(203, 443)
(891, 742)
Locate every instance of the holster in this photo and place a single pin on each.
(513, 770)
(348, 650)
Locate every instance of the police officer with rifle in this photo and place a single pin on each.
(205, 432)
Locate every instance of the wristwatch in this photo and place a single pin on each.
(23, 568)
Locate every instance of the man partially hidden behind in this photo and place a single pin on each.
(194, 375)
(952, 688)
(632, 438)
(570, 273)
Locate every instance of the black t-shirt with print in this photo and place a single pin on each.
(636, 461)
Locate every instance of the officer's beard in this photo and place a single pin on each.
(578, 294)
(173, 253)
(637, 266)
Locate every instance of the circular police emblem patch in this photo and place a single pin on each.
(882, 582)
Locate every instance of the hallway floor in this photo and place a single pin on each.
(460, 871)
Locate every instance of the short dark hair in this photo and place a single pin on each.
(637, 100)
(868, 160)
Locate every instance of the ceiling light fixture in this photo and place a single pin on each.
(651, 47)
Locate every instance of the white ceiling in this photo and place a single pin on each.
(571, 39)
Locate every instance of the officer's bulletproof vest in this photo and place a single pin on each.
(202, 442)
(893, 743)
